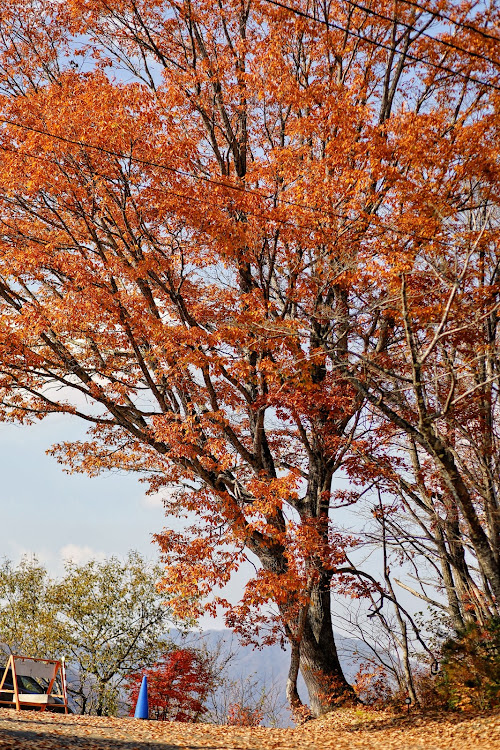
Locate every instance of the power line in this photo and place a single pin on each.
(167, 191)
(182, 196)
(205, 201)
(444, 42)
(219, 183)
(381, 45)
(461, 24)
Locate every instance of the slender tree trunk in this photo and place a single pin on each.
(403, 640)
(295, 639)
(482, 547)
(454, 604)
(292, 693)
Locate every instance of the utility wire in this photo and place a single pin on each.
(205, 201)
(169, 191)
(445, 42)
(461, 24)
(381, 45)
(146, 162)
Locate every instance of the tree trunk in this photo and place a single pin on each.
(309, 632)
(292, 694)
(319, 662)
(484, 551)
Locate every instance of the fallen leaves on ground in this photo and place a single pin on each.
(343, 730)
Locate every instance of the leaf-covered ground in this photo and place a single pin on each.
(346, 730)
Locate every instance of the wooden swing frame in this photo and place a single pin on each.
(25, 666)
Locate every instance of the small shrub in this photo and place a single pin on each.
(178, 686)
(244, 716)
(471, 667)
(372, 685)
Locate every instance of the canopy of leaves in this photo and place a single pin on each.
(28, 614)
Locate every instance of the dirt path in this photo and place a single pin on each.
(355, 730)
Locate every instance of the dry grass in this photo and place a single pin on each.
(344, 730)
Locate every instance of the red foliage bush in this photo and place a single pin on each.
(372, 685)
(177, 686)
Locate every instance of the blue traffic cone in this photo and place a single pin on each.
(141, 708)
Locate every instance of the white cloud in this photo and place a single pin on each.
(152, 501)
(80, 554)
(19, 551)
(155, 500)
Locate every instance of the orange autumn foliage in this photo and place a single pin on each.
(235, 240)
(241, 716)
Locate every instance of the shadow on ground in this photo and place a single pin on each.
(22, 738)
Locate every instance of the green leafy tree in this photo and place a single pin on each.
(28, 614)
(107, 618)
(113, 622)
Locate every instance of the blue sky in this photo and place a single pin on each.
(53, 515)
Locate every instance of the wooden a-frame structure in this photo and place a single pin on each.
(46, 670)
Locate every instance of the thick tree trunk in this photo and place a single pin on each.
(311, 637)
(319, 663)
(322, 673)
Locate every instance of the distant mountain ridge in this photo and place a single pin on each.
(274, 661)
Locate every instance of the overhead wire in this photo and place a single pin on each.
(167, 191)
(210, 180)
(205, 201)
(381, 45)
(421, 32)
(443, 17)
(158, 165)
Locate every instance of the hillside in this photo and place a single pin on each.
(346, 730)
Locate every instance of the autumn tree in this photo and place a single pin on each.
(432, 379)
(178, 686)
(237, 240)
